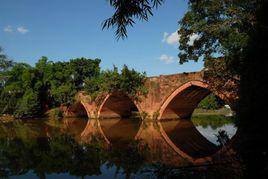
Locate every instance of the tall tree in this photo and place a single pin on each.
(5, 64)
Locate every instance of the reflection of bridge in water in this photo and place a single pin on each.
(174, 142)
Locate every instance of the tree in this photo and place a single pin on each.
(64, 94)
(211, 102)
(13, 88)
(125, 13)
(48, 84)
(234, 30)
(221, 28)
(5, 63)
(81, 68)
(221, 80)
(69, 78)
(128, 81)
(253, 94)
(28, 105)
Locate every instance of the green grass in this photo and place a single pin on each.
(221, 111)
(214, 121)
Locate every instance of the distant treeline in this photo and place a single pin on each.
(27, 91)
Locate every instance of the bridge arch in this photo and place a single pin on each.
(78, 109)
(118, 105)
(183, 101)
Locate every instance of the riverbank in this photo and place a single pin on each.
(57, 113)
(222, 111)
(6, 118)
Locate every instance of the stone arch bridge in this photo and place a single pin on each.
(169, 96)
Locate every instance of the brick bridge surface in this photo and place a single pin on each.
(169, 96)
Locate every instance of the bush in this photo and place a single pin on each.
(211, 102)
(55, 113)
(28, 106)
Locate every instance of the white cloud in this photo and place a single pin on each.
(8, 29)
(167, 59)
(22, 30)
(193, 37)
(171, 39)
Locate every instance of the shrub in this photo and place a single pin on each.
(55, 113)
(211, 102)
(28, 106)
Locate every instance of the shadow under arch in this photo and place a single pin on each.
(183, 101)
(118, 105)
(78, 109)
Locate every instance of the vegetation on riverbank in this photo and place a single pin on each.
(28, 92)
(128, 81)
(206, 112)
(212, 120)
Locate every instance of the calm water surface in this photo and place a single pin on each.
(115, 148)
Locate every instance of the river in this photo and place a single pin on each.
(118, 148)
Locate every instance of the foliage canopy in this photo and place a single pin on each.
(126, 11)
(27, 91)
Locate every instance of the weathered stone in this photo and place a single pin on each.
(169, 96)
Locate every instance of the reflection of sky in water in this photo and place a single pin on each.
(210, 133)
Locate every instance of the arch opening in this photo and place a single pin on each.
(76, 110)
(214, 119)
(182, 102)
(118, 105)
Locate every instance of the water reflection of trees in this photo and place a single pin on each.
(214, 121)
(130, 159)
(61, 154)
(206, 171)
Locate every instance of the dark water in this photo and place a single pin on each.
(116, 148)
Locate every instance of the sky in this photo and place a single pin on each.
(67, 29)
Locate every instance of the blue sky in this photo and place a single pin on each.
(61, 30)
